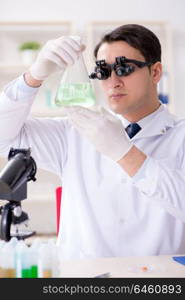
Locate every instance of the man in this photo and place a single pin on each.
(123, 184)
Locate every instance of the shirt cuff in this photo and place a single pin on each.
(18, 90)
(141, 173)
(24, 87)
(146, 178)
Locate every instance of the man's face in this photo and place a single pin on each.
(127, 94)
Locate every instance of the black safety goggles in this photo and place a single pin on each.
(121, 67)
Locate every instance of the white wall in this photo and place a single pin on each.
(81, 12)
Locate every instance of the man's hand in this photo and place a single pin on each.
(56, 55)
(104, 130)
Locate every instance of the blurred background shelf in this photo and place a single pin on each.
(15, 34)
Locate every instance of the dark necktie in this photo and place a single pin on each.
(132, 129)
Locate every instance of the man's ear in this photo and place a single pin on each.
(156, 72)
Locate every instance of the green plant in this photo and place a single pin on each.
(30, 45)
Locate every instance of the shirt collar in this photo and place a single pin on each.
(154, 124)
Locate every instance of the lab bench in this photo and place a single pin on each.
(124, 267)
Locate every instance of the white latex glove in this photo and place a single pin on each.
(104, 130)
(56, 55)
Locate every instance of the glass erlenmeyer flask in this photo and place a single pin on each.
(75, 87)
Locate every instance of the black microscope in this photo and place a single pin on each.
(20, 169)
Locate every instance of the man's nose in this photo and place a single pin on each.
(115, 80)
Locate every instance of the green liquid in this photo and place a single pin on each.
(75, 94)
(34, 272)
(25, 273)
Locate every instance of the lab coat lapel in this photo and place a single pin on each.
(159, 125)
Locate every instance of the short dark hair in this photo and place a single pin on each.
(137, 36)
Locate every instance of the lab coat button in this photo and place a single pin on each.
(163, 130)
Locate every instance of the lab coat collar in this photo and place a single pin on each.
(161, 122)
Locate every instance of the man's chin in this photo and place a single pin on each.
(116, 109)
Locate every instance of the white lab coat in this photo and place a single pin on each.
(104, 212)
